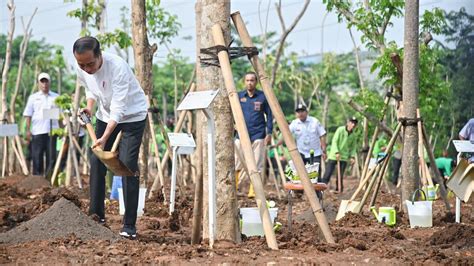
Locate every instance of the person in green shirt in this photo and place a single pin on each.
(380, 146)
(342, 149)
(445, 164)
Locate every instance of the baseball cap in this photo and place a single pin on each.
(300, 107)
(43, 76)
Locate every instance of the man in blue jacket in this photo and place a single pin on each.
(258, 118)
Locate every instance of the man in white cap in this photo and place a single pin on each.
(309, 135)
(38, 129)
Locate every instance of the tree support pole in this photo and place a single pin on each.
(437, 175)
(255, 176)
(283, 125)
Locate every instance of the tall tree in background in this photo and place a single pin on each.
(410, 100)
(210, 77)
(6, 67)
(143, 54)
(459, 61)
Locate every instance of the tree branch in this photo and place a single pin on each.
(284, 35)
(280, 16)
(385, 23)
(370, 117)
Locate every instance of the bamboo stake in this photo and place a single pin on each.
(437, 175)
(363, 183)
(17, 154)
(379, 168)
(245, 142)
(424, 169)
(282, 124)
(379, 181)
(280, 167)
(159, 179)
(22, 158)
(272, 175)
(81, 152)
(374, 139)
(72, 149)
(58, 162)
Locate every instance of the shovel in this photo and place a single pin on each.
(351, 204)
(461, 181)
(109, 158)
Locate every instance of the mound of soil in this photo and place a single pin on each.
(32, 183)
(7, 191)
(61, 220)
(18, 213)
(454, 234)
(55, 194)
(355, 220)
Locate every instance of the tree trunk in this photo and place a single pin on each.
(325, 109)
(8, 55)
(143, 55)
(410, 101)
(227, 222)
(200, 132)
(164, 113)
(4, 110)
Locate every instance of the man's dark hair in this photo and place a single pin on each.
(251, 73)
(85, 44)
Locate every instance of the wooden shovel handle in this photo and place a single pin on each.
(91, 132)
(116, 142)
(339, 180)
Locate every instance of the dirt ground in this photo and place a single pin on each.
(40, 224)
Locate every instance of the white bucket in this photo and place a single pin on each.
(252, 223)
(420, 213)
(141, 202)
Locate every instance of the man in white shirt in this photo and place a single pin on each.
(467, 133)
(309, 135)
(38, 129)
(121, 106)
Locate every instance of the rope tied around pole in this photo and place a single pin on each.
(234, 53)
(394, 96)
(406, 121)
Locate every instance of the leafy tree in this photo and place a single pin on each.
(459, 62)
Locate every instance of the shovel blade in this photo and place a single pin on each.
(112, 162)
(461, 181)
(345, 207)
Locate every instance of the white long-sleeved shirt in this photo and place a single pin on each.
(116, 91)
(34, 109)
(307, 135)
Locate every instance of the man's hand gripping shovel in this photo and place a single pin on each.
(109, 158)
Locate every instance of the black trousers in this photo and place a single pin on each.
(396, 164)
(129, 148)
(40, 147)
(330, 166)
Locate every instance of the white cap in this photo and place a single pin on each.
(43, 76)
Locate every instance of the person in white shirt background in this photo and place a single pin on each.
(121, 106)
(309, 135)
(38, 129)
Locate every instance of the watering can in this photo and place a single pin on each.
(386, 215)
(431, 191)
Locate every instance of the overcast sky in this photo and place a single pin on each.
(52, 23)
